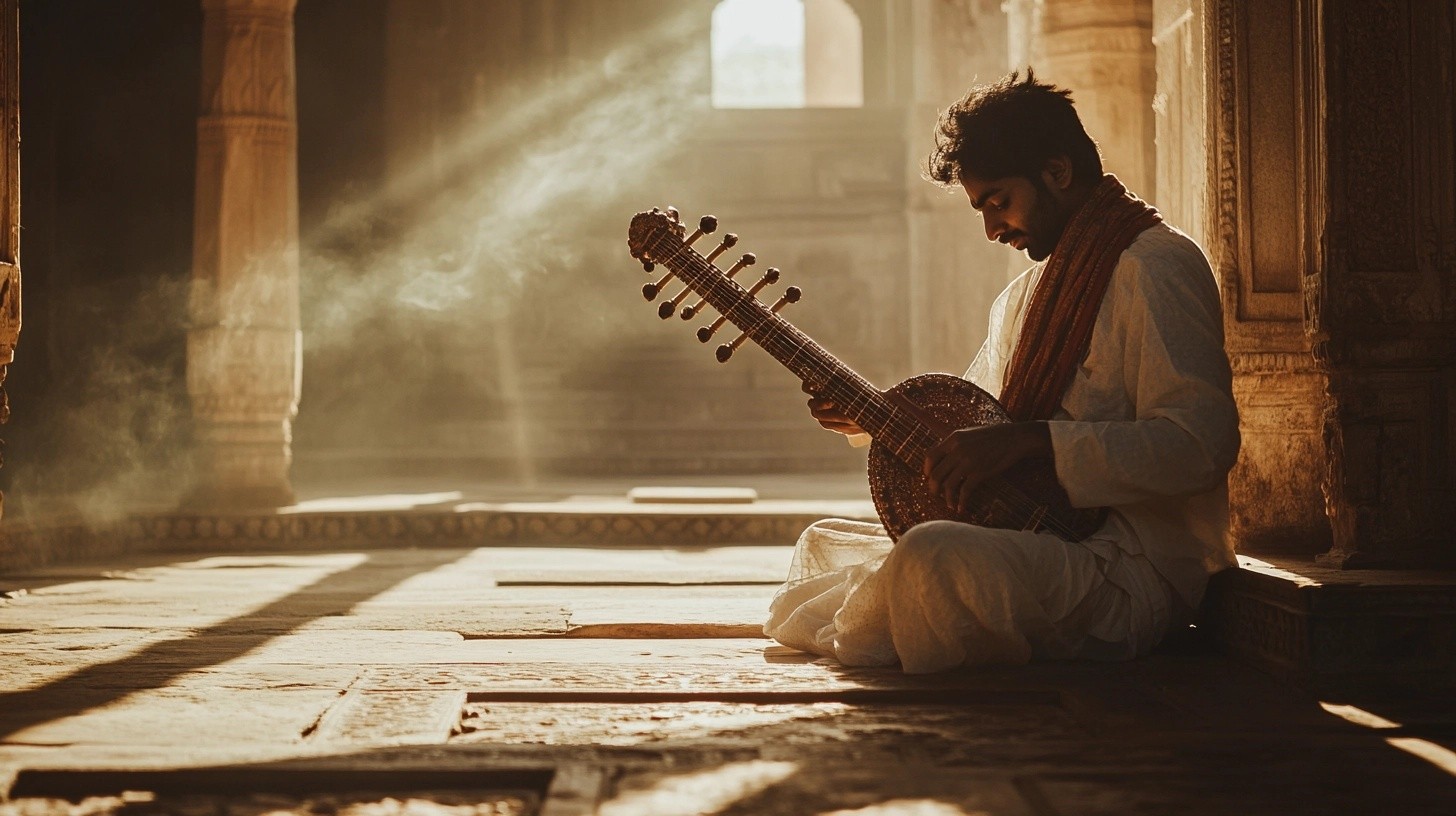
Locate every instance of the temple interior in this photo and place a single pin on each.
(347, 469)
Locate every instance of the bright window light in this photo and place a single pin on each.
(758, 54)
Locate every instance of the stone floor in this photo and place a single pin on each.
(633, 680)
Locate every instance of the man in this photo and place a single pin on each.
(1108, 354)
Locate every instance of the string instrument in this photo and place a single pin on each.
(905, 422)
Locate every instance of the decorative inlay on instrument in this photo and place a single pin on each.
(904, 422)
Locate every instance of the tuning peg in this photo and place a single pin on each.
(651, 290)
(770, 277)
(669, 306)
(748, 259)
(706, 226)
(648, 266)
(729, 241)
(791, 295)
(674, 214)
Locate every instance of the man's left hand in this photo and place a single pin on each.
(965, 459)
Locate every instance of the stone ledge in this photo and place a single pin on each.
(464, 525)
(1337, 631)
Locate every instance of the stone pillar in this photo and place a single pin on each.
(1103, 51)
(1267, 217)
(955, 273)
(1382, 312)
(243, 350)
(9, 196)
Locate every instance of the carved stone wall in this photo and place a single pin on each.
(1383, 313)
(1335, 236)
(1264, 104)
(243, 347)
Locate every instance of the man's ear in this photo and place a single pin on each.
(1057, 173)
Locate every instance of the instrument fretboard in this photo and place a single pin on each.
(855, 396)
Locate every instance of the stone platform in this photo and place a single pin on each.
(1331, 630)
(427, 512)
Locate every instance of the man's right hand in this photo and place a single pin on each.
(829, 414)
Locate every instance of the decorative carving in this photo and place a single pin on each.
(465, 527)
(1273, 362)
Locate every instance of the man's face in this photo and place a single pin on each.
(1019, 212)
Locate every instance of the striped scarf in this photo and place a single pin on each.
(1058, 325)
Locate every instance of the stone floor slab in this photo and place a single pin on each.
(668, 679)
(391, 718)
(766, 788)
(175, 717)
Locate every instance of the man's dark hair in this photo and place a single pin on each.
(1011, 128)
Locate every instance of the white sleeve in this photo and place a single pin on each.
(1185, 434)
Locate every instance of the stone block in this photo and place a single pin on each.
(1329, 630)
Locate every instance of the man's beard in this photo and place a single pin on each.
(1047, 222)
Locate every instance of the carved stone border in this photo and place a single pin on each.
(208, 532)
(27, 548)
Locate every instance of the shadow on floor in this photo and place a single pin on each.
(161, 663)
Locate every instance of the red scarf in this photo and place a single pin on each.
(1058, 325)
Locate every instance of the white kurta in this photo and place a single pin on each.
(1147, 427)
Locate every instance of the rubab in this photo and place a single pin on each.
(904, 421)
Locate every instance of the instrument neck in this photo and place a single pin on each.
(855, 396)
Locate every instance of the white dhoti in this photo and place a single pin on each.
(950, 594)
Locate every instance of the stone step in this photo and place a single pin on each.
(1332, 631)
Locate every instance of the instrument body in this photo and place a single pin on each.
(1026, 497)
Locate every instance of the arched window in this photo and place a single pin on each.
(787, 54)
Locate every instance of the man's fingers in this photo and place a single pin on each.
(942, 464)
(968, 487)
(951, 483)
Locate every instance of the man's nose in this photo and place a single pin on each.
(994, 228)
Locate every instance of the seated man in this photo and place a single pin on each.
(1108, 355)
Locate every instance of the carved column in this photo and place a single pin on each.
(1103, 51)
(1384, 310)
(955, 273)
(9, 196)
(1265, 105)
(243, 348)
